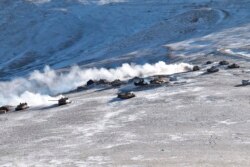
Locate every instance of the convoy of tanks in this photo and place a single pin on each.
(157, 80)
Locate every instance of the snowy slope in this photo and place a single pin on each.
(62, 33)
(199, 120)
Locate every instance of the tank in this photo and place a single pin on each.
(209, 62)
(22, 106)
(223, 62)
(196, 68)
(157, 81)
(125, 95)
(212, 69)
(233, 66)
(90, 82)
(63, 101)
(116, 83)
(140, 82)
(245, 82)
(4, 109)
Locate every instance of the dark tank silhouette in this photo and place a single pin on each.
(4, 109)
(125, 95)
(63, 101)
(22, 106)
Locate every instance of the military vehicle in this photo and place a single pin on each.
(224, 62)
(157, 81)
(22, 106)
(196, 68)
(245, 82)
(126, 95)
(116, 83)
(90, 82)
(209, 62)
(212, 69)
(233, 66)
(63, 101)
(140, 82)
(4, 109)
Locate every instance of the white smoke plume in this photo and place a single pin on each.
(39, 87)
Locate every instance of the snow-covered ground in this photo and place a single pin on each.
(199, 120)
(202, 120)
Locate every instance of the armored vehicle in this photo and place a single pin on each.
(63, 101)
(125, 95)
(22, 106)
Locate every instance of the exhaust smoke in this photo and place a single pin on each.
(41, 86)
